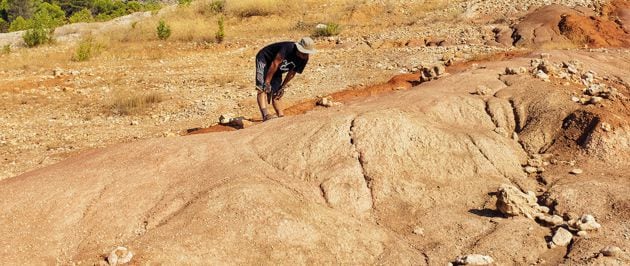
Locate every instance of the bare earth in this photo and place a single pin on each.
(401, 173)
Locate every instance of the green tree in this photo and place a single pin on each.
(50, 15)
(20, 8)
(20, 23)
(163, 30)
(73, 6)
(82, 16)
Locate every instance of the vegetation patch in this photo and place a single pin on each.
(328, 29)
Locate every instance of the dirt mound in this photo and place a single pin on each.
(402, 178)
(558, 25)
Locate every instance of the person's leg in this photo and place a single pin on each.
(261, 96)
(262, 104)
(277, 105)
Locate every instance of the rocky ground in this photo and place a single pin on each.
(520, 149)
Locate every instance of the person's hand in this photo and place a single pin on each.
(267, 88)
(278, 95)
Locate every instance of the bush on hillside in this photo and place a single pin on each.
(82, 16)
(220, 35)
(19, 24)
(36, 36)
(163, 30)
(328, 29)
(50, 15)
(87, 49)
(184, 2)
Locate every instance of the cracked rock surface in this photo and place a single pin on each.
(340, 185)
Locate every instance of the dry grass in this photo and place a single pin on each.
(125, 102)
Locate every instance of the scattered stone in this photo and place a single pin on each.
(552, 220)
(587, 223)
(595, 100)
(511, 71)
(562, 237)
(474, 259)
(542, 75)
(118, 256)
(58, 72)
(439, 70)
(418, 231)
(225, 119)
(134, 123)
(482, 90)
(535, 162)
(606, 127)
(325, 101)
(582, 233)
(611, 251)
(511, 201)
(575, 99)
(530, 169)
(576, 171)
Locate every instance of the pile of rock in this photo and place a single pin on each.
(595, 90)
(473, 259)
(235, 122)
(537, 163)
(431, 72)
(512, 201)
(327, 102)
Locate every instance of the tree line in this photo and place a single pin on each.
(18, 15)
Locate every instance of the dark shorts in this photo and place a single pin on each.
(261, 72)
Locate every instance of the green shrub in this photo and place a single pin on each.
(49, 15)
(217, 6)
(20, 23)
(134, 6)
(163, 30)
(4, 25)
(184, 2)
(36, 36)
(87, 49)
(82, 16)
(6, 49)
(220, 35)
(330, 29)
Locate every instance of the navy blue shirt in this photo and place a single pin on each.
(288, 52)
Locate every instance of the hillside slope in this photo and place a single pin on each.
(406, 178)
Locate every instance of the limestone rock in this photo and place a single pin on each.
(418, 231)
(562, 237)
(119, 256)
(552, 220)
(511, 201)
(474, 259)
(225, 119)
(587, 223)
(611, 251)
(576, 171)
(325, 101)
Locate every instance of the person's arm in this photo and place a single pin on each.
(272, 70)
(288, 78)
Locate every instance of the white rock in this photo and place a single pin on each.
(474, 259)
(118, 256)
(611, 251)
(587, 223)
(562, 237)
(418, 231)
(606, 127)
(542, 75)
(530, 169)
(576, 171)
(595, 100)
(575, 99)
(225, 118)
